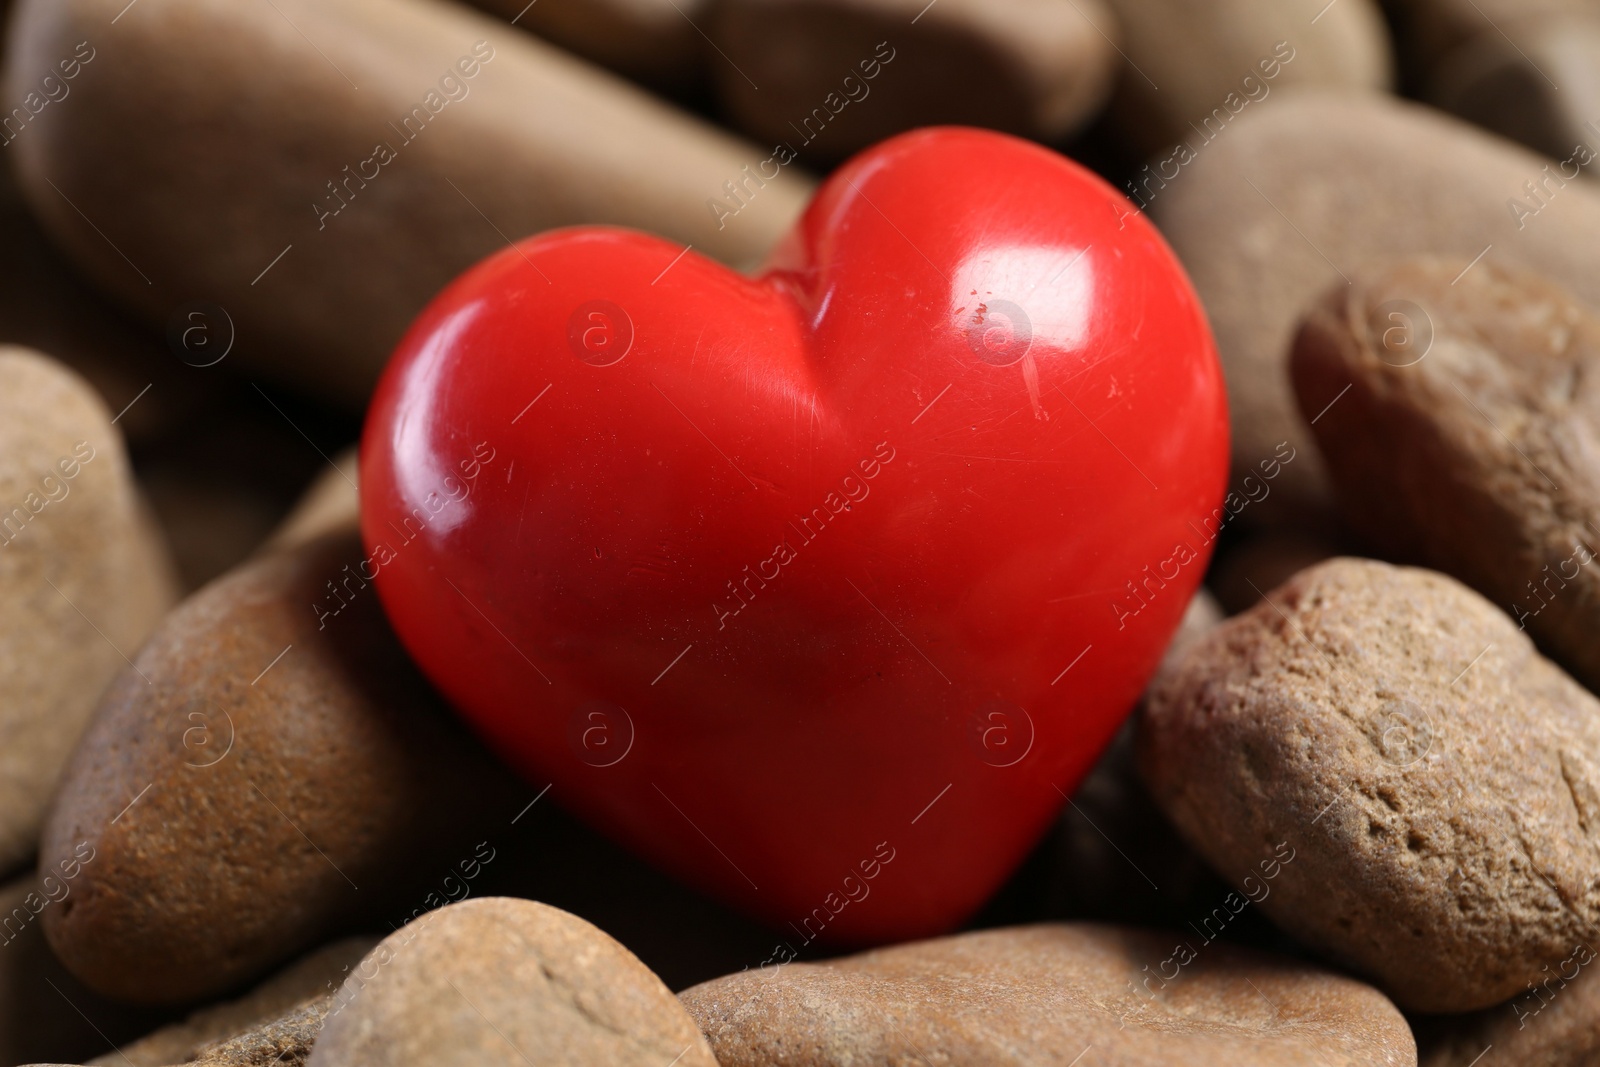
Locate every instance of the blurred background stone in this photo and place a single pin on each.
(829, 77)
(1191, 67)
(321, 169)
(1309, 188)
(655, 42)
(1541, 87)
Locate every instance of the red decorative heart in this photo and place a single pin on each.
(820, 589)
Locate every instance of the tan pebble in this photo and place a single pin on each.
(1430, 30)
(256, 780)
(1434, 781)
(83, 575)
(503, 981)
(1554, 1024)
(1468, 436)
(1043, 995)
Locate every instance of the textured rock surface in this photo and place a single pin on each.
(503, 981)
(837, 76)
(250, 1022)
(1468, 434)
(285, 1040)
(255, 779)
(358, 140)
(1436, 778)
(1314, 184)
(83, 576)
(1044, 995)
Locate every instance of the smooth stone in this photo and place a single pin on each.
(83, 574)
(651, 41)
(1541, 89)
(835, 76)
(251, 1021)
(1189, 62)
(1467, 438)
(164, 147)
(39, 1001)
(505, 981)
(1043, 995)
(267, 772)
(1436, 780)
(1315, 184)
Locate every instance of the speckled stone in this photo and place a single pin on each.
(261, 776)
(1469, 437)
(1437, 780)
(503, 981)
(83, 577)
(1047, 995)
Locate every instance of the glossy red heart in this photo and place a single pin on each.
(820, 589)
